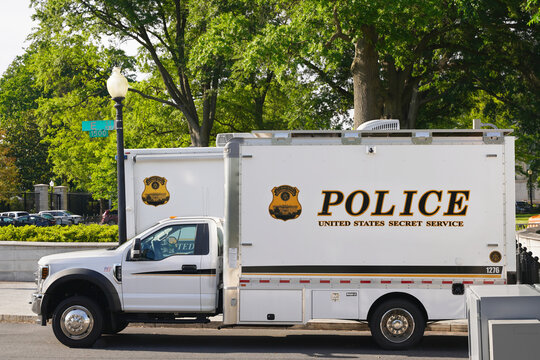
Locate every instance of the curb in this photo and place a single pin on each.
(23, 319)
(348, 326)
(361, 326)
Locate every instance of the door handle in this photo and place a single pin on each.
(189, 269)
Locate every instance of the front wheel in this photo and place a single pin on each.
(77, 322)
(397, 324)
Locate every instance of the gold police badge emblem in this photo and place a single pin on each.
(155, 191)
(285, 205)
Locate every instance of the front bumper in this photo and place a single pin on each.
(36, 303)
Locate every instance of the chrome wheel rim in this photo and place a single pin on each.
(397, 325)
(76, 322)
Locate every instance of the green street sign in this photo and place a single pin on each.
(97, 125)
(98, 133)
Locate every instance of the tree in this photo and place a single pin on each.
(170, 34)
(503, 54)
(496, 77)
(377, 53)
(18, 95)
(394, 58)
(72, 72)
(8, 170)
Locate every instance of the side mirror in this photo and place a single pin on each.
(136, 249)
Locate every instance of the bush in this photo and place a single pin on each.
(74, 233)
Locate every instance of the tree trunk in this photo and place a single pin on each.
(195, 135)
(365, 73)
(414, 106)
(210, 92)
(258, 113)
(394, 94)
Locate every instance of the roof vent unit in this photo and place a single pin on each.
(380, 124)
(223, 139)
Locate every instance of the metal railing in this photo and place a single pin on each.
(528, 266)
(25, 201)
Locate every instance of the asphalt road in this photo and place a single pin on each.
(29, 341)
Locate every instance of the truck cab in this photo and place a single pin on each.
(167, 273)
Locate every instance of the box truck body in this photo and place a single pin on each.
(333, 224)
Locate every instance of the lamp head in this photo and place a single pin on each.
(117, 84)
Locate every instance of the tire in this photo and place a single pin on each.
(397, 324)
(77, 322)
(111, 222)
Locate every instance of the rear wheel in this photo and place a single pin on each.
(397, 324)
(77, 322)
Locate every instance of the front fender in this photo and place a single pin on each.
(59, 280)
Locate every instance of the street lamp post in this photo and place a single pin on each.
(117, 86)
(51, 196)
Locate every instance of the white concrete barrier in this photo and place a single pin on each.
(18, 259)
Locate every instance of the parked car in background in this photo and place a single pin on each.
(35, 220)
(75, 219)
(49, 217)
(109, 217)
(14, 214)
(523, 207)
(6, 221)
(63, 217)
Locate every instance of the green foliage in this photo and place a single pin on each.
(8, 171)
(18, 95)
(150, 124)
(73, 71)
(532, 6)
(74, 233)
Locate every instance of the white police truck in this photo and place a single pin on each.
(385, 226)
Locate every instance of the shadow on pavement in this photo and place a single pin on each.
(316, 345)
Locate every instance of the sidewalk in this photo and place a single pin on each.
(15, 307)
(14, 302)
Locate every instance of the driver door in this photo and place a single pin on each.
(167, 276)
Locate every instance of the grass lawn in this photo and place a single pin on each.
(523, 218)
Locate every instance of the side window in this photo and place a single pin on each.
(185, 239)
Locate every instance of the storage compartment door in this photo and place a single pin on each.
(338, 304)
(271, 306)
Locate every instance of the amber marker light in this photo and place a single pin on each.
(44, 272)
